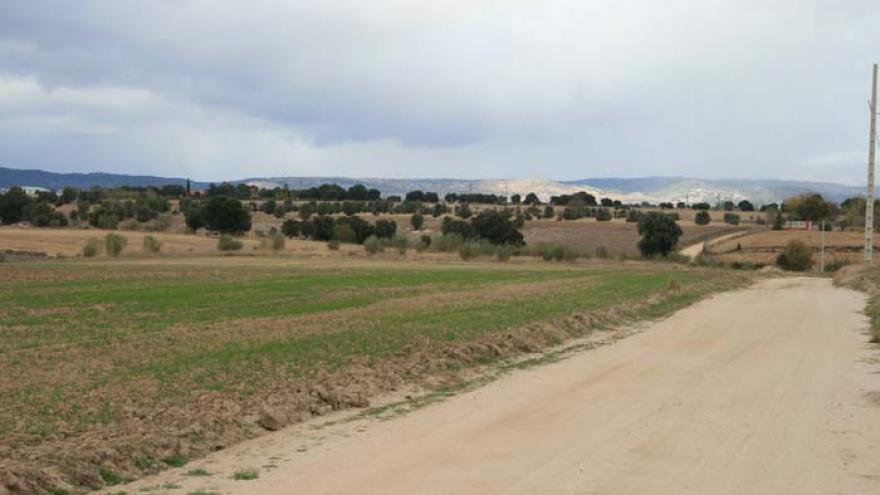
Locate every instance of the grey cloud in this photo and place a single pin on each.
(559, 89)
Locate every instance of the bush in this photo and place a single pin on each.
(731, 218)
(159, 224)
(152, 245)
(659, 234)
(372, 245)
(469, 249)
(228, 243)
(448, 242)
(778, 221)
(109, 221)
(702, 218)
(633, 216)
(291, 228)
(194, 218)
(497, 228)
(796, 257)
(603, 215)
(385, 228)
(333, 244)
(836, 264)
(602, 252)
(115, 243)
(400, 243)
(92, 248)
(417, 221)
(344, 233)
(460, 227)
(226, 215)
(557, 252)
(504, 252)
(277, 242)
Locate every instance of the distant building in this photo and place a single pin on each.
(33, 190)
(800, 225)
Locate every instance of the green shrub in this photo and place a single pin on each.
(344, 233)
(659, 234)
(603, 215)
(469, 249)
(158, 224)
(702, 218)
(557, 252)
(836, 264)
(400, 243)
(115, 243)
(372, 245)
(417, 221)
(504, 252)
(108, 221)
(245, 475)
(228, 243)
(291, 228)
(277, 242)
(796, 257)
(385, 228)
(731, 218)
(174, 460)
(152, 245)
(92, 248)
(448, 242)
(778, 221)
(333, 244)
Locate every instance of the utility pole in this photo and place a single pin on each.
(869, 196)
(822, 248)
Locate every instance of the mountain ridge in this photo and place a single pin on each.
(634, 189)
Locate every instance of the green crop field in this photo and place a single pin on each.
(130, 354)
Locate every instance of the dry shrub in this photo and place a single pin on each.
(796, 257)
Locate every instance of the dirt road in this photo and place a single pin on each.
(770, 390)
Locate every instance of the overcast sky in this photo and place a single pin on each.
(457, 88)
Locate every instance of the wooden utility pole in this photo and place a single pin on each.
(869, 196)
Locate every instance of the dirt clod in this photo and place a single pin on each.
(272, 418)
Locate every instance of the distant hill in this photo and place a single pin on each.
(653, 189)
(40, 178)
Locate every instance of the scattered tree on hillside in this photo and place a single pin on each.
(603, 215)
(810, 207)
(659, 233)
(12, 205)
(496, 227)
(702, 218)
(385, 228)
(417, 221)
(226, 215)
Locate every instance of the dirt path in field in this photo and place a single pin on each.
(772, 389)
(698, 248)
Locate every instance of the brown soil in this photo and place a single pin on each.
(764, 247)
(617, 237)
(134, 446)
